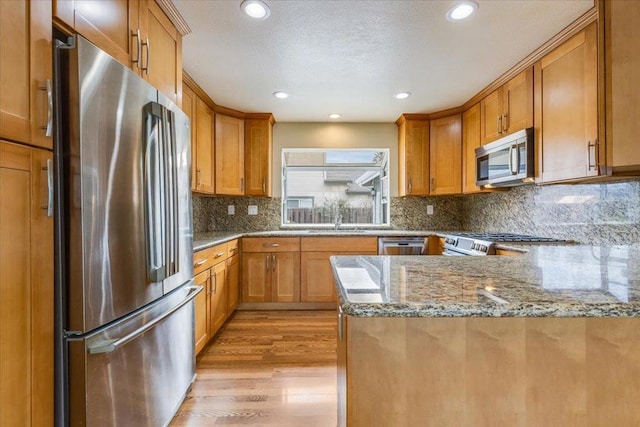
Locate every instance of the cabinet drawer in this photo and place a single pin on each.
(339, 244)
(270, 244)
(206, 258)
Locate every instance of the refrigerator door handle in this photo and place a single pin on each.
(171, 177)
(154, 171)
(109, 346)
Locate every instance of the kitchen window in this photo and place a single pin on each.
(335, 186)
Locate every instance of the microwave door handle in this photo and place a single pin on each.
(511, 161)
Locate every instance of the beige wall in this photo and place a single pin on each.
(335, 135)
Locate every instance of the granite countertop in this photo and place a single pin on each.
(208, 239)
(546, 281)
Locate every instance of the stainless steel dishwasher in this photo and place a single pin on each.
(405, 245)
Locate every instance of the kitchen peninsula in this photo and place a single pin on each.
(546, 338)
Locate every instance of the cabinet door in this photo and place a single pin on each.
(112, 25)
(26, 288)
(569, 109)
(25, 68)
(316, 282)
(256, 276)
(491, 117)
(413, 153)
(285, 277)
(229, 146)
(189, 106)
(218, 297)
(446, 155)
(233, 283)
(517, 100)
(161, 52)
(470, 141)
(204, 148)
(202, 306)
(257, 156)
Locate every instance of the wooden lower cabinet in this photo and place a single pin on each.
(233, 284)
(26, 288)
(488, 371)
(271, 277)
(316, 274)
(217, 273)
(202, 304)
(218, 291)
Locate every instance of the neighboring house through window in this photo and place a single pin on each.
(325, 186)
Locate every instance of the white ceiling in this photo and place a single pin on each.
(350, 57)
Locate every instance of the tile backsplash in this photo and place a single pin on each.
(588, 213)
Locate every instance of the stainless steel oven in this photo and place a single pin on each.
(405, 245)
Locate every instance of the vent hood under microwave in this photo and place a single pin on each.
(506, 162)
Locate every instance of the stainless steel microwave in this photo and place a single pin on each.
(506, 162)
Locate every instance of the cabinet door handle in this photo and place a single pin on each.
(48, 128)
(505, 123)
(198, 177)
(199, 263)
(410, 186)
(264, 186)
(49, 170)
(593, 145)
(433, 183)
(340, 325)
(136, 34)
(146, 67)
(267, 266)
(242, 185)
(271, 245)
(499, 124)
(219, 254)
(274, 265)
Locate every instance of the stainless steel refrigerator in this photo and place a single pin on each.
(124, 243)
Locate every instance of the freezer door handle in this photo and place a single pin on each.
(171, 185)
(108, 346)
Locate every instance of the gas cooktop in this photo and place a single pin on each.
(507, 237)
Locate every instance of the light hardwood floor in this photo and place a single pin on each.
(267, 368)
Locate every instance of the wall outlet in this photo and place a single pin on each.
(231, 210)
(253, 210)
(429, 209)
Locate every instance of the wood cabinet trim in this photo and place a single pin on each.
(341, 244)
(174, 16)
(268, 244)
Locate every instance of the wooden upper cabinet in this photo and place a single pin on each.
(229, 147)
(508, 109)
(446, 155)
(189, 106)
(204, 148)
(162, 51)
(622, 96)
(470, 141)
(567, 109)
(26, 72)
(413, 155)
(136, 32)
(111, 25)
(258, 147)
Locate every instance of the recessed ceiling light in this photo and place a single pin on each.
(255, 9)
(462, 10)
(402, 95)
(281, 95)
(334, 116)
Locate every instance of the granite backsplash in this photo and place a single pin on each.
(407, 213)
(587, 213)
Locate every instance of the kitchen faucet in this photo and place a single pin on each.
(338, 222)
